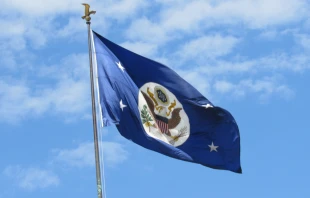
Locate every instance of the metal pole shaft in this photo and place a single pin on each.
(98, 173)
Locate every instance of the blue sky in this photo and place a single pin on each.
(250, 57)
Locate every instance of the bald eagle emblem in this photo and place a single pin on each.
(162, 115)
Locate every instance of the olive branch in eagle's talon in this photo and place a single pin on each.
(146, 118)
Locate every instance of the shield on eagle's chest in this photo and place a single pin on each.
(162, 115)
(162, 123)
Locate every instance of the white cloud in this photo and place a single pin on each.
(273, 63)
(194, 17)
(37, 37)
(40, 8)
(264, 88)
(123, 9)
(304, 41)
(114, 153)
(21, 36)
(74, 26)
(69, 94)
(16, 102)
(185, 17)
(120, 10)
(208, 78)
(209, 46)
(110, 8)
(223, 86)
(269, 34)
(254, 14)
(283, 61)
(214, 87)
(145, 30)
(171, 2)
(83, 156)
(39, 22)
(141, 48)
(12, 27)
(306, 25)
(198, 80)
(32, 178)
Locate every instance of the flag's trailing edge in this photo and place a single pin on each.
(154, 107)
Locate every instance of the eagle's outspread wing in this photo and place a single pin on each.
(149, 102)
(175, 118)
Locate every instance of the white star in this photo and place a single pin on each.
(119, 64)
(212, 147)
(122, 106)
(207, 106)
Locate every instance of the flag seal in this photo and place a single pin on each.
(162, 115)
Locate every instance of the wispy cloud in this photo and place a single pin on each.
(192, 17)
(207, 47)
(273, 63)
(31, 178)
(264, 88)
(68, 95)
(304, 41)
(83, 155)
(52, 8)
(255, 14)
(142, 48)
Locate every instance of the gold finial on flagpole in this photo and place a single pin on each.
(87, 13)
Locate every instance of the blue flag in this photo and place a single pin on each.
(154, 107)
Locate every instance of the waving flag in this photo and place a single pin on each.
(154, 107)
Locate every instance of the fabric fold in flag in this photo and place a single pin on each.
(157, 109)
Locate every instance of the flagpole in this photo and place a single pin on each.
(96, 145)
